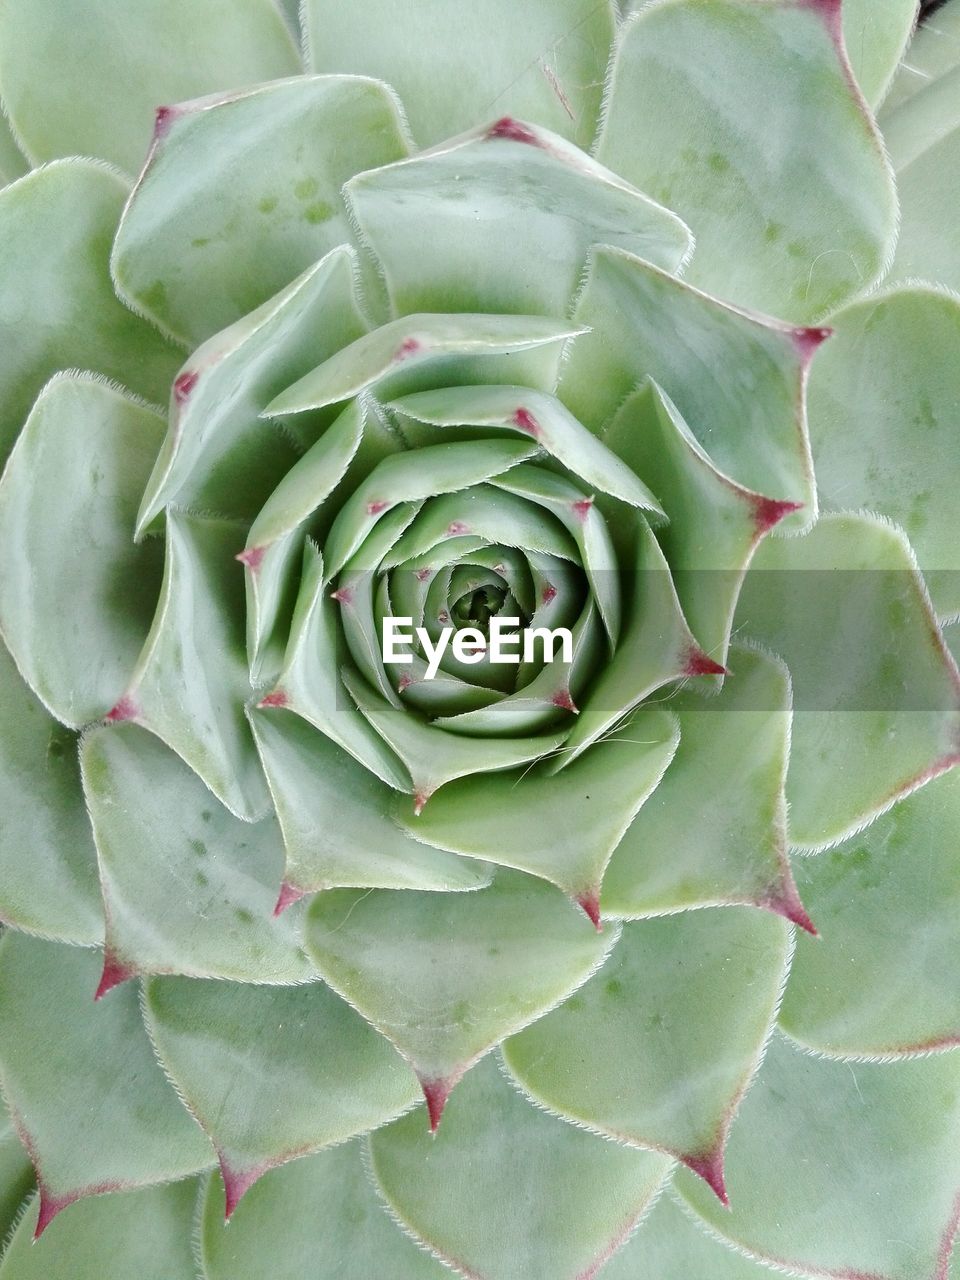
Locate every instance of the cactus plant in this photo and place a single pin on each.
(635, 320)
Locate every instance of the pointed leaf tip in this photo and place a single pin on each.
(709, 1167)
(236, 1184)
(276, 699)
(419, 801)
(114, 973)
(288, 895)
(807, 341)
(513, 131)
(50, 1206)
(436, 1093)
(784, 900)
(184, 384)
(589, 903)
(125, 709)
(565, 702)
(699, 663)
(251, 557)
(768, 512)
(162, 120)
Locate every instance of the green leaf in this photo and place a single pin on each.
(146, 1234)
(83, 1086)
(83, 77)
(218, 454)
(883, 418)
(334, 1227)
(933, 51)
(513, 211)
(877, 695)
(742, 118)
(737, 379)
(455, 68)
(714, 831)
(13, 164)
(188, 887)
(547, 1201)
(16, 1176)
(191, 680)
(446, 976)
(56, 225)
(626, 1055)
(590, 806)
(877, 983)
(842, 1169)
(243, 193)
(54, 890)
(337, 818)
(273, 1074)
(68, 501)
(876, 33)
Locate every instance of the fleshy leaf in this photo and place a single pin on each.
(868, 988)
(591, 805)
(714, 831)
(725, 112)
(13, 163)
(188, 887)
(455, 68)
(354, 1239)
(85, 1092)
(843, 1170)
(446, 976)
(273, 1074)
(933, 52)
(56, 225)
(192, 694)
(883, 422)
(68, 501)
(513, 211)
(737, 379)
(16, 1176)
(875, 33)
(876, 694)
(337, 820)
(548, 1201)
(243, 193)
(105, 66)
(219, 455)
(144, 1233)
(625, 1056)
(53, 891)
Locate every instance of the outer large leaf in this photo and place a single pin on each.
(83, 77)
(58, 306)
(48, 866)
(68, 500)
(242, 194)
(547, 1201)
(85, 1091)
(884, 397)
(145, 1234)
(880, 980)
(625, 1056)
(727, 110)
(736, 378)
(457, 66)
(446, 976)
(875, 33)
(842, 1170)
(334, 1228)
(513, 211)
(270, 1074)
(188, 888)
(877, 695)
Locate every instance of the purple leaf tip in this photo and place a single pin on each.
(289, 894)
(513, 131)
(436, 1092)
(236, 1184)
(342, 595)
(184, 384)
(698, 663)
(114, 973)
(784, 900)
(162, 120)
(808, 341)
(251, 557)
(589, 903)
(709, 1167)
(565, 702)
(50, 1206)
(768, 512)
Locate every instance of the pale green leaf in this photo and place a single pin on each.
(876, 694)
(334, 1227)
(146, 1234)
(188, 887)
(547, 1201)
(16, 1176)
(741, 117)
(243, 193)
(53, 890)
(458, 66)
(84, 77)
(658, 1048)
(13, 164)
(879, 980)
(81, 1080)
(736, 378)
(337, 818)
(884, 396)
(842, 1169)
(68, 502)
(58, 305)
(513, 211)
(273, 1074)
(446, 976)
(933, 51)
(876, 33)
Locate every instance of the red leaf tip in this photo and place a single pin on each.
(162, 120)
(407, 348)
(589, 903)
(377, 507)
(549, 593)
(126, 709)
(236, 1184)
(251, 557)
(768, 512)
(784, 900)
(184, 384)
(420, 799)
(709, 1167)
(698, 663)
(50, 1206)
(525, 420)
(513, 131)
(289, 894)
(456, 528)
(565, 702)
(582, 508)
(276, 699)
(436, 1092)
(114, 973)
(343, 595)
(807, 341)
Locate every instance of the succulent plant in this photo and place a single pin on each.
(626, 319)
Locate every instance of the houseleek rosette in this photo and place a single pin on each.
(501, 960)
